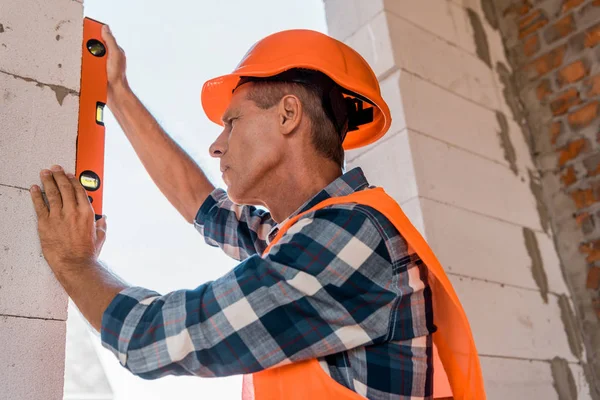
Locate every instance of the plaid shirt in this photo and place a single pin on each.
(339, 286)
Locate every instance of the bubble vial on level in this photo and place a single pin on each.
(100, 113)
(96, 48)
(89, 180)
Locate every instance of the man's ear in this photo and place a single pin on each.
(290, 113)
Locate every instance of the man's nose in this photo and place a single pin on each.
(219, 146)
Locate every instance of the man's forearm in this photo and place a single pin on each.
(175, 173)
(91, 287)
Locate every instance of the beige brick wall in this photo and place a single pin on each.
(459, 164)
(40, 62)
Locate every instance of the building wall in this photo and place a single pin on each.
(40, 62)
(553, 47)
(458, 162)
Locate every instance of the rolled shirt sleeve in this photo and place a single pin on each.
(326, 287)
(239, 230)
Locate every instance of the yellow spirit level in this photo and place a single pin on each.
(90, 138)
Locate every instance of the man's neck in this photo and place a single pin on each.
(290, 192)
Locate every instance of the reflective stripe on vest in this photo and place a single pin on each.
(457, 373)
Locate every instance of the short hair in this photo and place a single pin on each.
(325, 138)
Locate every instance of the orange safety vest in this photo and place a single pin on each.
(457, 373)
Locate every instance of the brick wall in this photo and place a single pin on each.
(554, 49)
(40, 62)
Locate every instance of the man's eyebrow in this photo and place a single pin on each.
(228, 114)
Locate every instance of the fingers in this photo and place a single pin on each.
(65, 187)
(63, 191)
(101, 224)
(51, 189)
(101, 230)
(38, 202)
(80, 193)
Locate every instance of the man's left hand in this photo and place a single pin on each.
(69, 235)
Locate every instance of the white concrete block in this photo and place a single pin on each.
(42, 40)
(432, 15)
(389, 165)
(36, 131)
(390, 91)
(463, 28)
(373, 42)
(583, 388)
(413, 210)
(526, 379)
(517, 379)
(481, 247)
(368, 9)
(501, 79)
(512, 322)
(522, 153)
(495, 43)
(456, 177)
(27, 285)
(345, 17)
(342, 18)
(551, 262)
(474, 5)
(482, 84)
(436, 112)
(428, 56)
(32, 358)
(466, 35)
(450, 67)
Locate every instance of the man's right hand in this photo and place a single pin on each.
(116, 65)
(175, 173)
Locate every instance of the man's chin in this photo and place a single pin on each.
(234, 196)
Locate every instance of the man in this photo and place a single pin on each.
(331, 298)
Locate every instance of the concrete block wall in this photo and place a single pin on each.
(40, 62)
(553, 49)
(458, 162)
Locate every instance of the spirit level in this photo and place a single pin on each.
(90, 138)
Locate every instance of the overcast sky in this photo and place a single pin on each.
(172, 49)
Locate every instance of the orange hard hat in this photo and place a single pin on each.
(309, 50)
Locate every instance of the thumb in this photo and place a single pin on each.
(108, 37)
(101, 228)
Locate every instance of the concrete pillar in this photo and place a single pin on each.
(40, 61)
(459, 165)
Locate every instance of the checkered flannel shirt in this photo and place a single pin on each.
(339, 286)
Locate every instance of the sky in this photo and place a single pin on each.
(172, 48)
